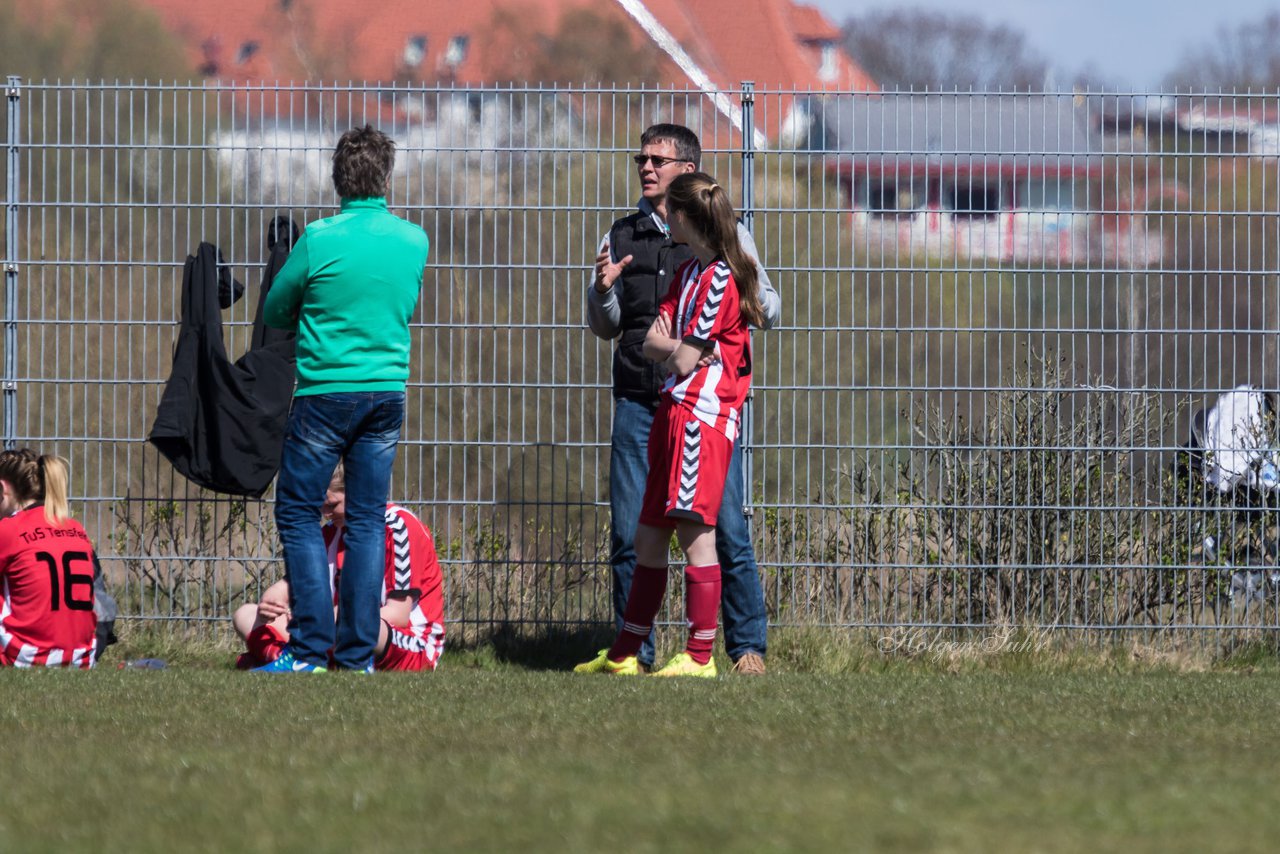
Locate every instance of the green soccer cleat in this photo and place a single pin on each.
(682, 664)
(601, 664)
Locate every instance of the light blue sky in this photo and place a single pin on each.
(1129, 43)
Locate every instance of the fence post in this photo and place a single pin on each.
(748, 154)
(748, 220)
(13, 92)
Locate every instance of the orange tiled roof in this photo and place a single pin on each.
(775, 43)
(809, 24)
(335, 39)
(769, 41)
(736, 40)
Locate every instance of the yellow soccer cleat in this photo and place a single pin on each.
(601, 664)
(682, 664)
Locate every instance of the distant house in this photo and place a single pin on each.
(708, 45)
(1221, 127)
(1007, 178)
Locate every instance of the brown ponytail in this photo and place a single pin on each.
(706, 206)
(38, 478)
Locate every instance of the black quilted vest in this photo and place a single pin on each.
(643, 284)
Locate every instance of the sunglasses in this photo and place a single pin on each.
(658, 162)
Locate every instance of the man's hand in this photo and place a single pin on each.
(607, 272)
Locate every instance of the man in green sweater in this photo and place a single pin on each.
(348, 289)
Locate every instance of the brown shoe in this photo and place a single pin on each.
(750, 664)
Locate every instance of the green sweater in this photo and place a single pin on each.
(349, 288)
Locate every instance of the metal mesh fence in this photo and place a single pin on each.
(1002, 314)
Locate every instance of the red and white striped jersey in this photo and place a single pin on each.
(412, 567)
(705, 310)
(46, 581)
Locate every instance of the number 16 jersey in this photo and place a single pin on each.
(46, 592)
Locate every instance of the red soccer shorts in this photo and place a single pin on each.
(688, 462)
(410, 651)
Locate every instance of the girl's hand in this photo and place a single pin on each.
(658, 343)
(272, 610)
(663, 325)
(273, 606)
(711, 357)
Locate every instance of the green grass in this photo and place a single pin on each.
(1055, 753)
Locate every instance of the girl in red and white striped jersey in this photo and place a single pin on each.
(412, 612)
(701, 337)
(47, 567)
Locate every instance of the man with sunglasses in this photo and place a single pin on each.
(633, 271)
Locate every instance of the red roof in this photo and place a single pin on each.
(292, 40)
(757, 40)
(775, 43)
(809, 24)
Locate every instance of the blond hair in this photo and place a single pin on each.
(38, 478)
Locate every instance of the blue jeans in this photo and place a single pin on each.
(741, 596)
(362, 428)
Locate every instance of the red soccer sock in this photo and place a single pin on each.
(702, 603)
(265, 643)
(648, 586)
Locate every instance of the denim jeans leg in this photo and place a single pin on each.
(628, 471)
(313, 445)
(370, 456)
(741, 595)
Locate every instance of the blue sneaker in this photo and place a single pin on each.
(286, 663)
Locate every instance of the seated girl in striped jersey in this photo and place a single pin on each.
(47, 567)
(412, 633)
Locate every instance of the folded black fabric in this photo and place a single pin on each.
(222, 423)
(229, 289)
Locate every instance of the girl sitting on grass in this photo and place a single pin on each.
(412, 633)
(701, 337)
(47, 567)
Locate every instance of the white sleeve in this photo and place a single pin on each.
(604, 312)
(769, 299)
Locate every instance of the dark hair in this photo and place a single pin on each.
(38, 477)
(706, 207)
(362, 163)
(685, 141)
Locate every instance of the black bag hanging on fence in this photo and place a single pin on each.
(220, 423)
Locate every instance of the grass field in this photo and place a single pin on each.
(991, 754)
